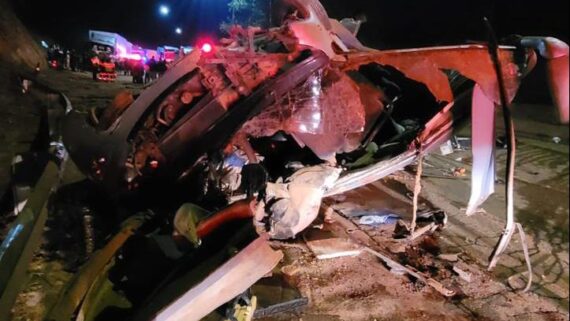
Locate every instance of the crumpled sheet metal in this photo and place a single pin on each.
(315, 30)
(426, 65)
(347, 37)
(483, 149)
(227, 282)
(294, 205)
(372, 173)
(24, 236)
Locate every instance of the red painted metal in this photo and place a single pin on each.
(237, 211)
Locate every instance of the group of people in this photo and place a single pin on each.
(141, 71)
(144, 73)
(60, 58)
(154, 69)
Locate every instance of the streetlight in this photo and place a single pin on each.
(178, 31)
(164, 10)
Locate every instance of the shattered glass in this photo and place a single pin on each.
(324, 114)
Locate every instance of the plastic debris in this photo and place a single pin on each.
(446, 148)
(459, 171)
(449, 257)
(387, 219)
(464, 275)
(439, 217)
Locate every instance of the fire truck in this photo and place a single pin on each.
(103, 67)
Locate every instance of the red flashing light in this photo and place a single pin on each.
(207, 48)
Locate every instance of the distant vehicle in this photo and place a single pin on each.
(55, 59)
(54, 64)
(104, 69)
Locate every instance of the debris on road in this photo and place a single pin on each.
(333, 248)
(296, 306)
(449, 257)
(464, 275)
(375, 220)
(459, 171)
(412, 272)
(446, 148)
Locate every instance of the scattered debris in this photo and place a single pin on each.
(401, 230)
(295, 305)
(397, 248)
(449, 257)
(465, 276)
(430, 228)
(446, 148)
(438, 217)
(376, 220)
(461, 143)
(333, 248)
(412, 272)
(242, 312)
(459, 171)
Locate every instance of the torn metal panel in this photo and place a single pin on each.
(483, 148)
(371, 174)
(23, 238)
(226, 283)
(26, 232)
(426, 65)
(71, 299)
(313, 28)
(436, 131)
(348, 37)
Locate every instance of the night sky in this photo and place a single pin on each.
(391, 24)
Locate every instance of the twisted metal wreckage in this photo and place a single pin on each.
(267, 124)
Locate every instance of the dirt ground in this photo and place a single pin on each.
(362, 287)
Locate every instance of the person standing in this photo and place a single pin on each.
(95, 66)
(152, 68)
(67, 60)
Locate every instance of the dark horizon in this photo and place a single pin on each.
(390, 24)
